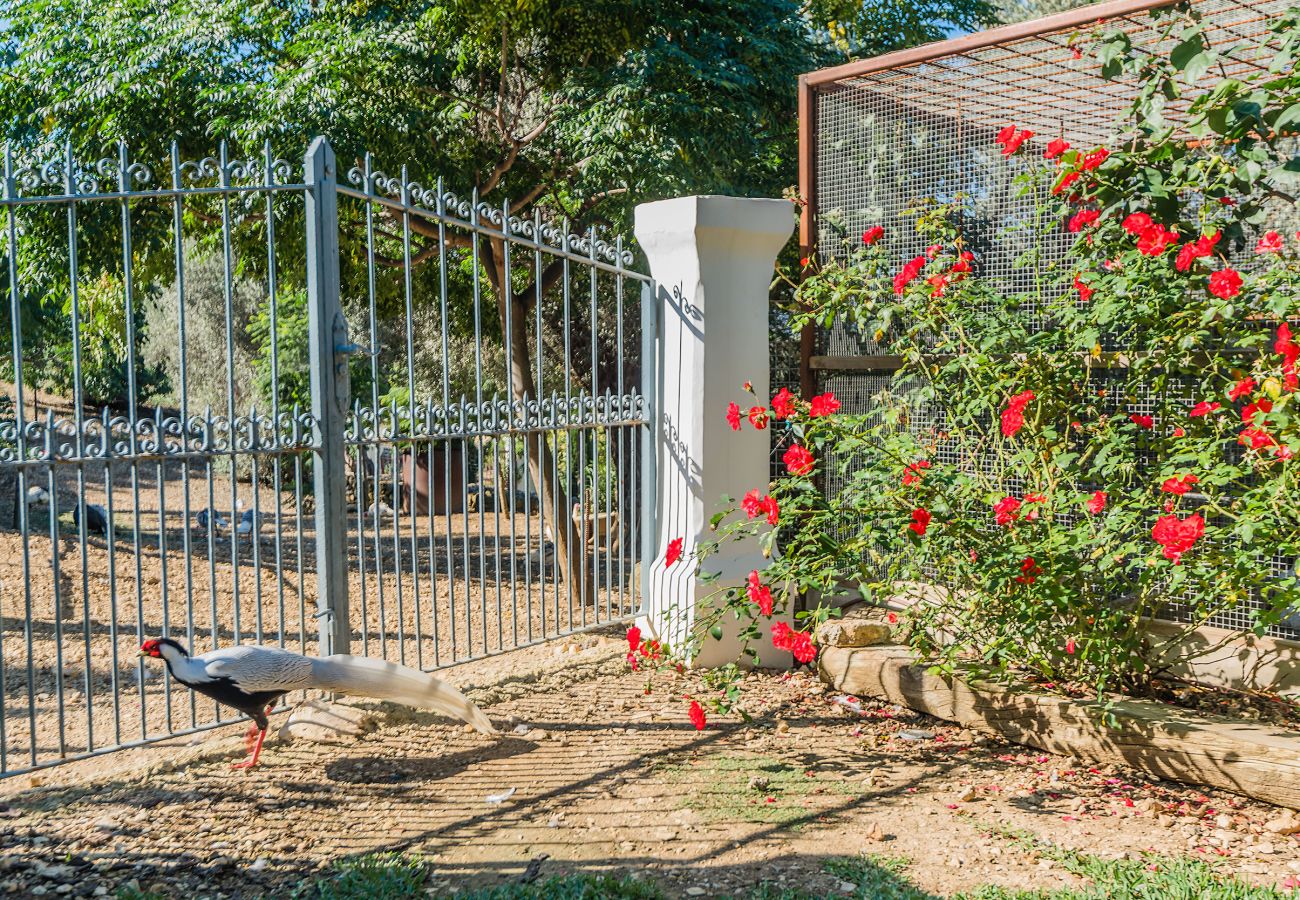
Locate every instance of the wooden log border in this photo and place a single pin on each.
(1161, 741)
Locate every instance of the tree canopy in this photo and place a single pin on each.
(577, 103)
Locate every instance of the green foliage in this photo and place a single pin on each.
(283, 361)
(570, 887)
(858, 29)
(579, 110)
(1053, 466)
(375, 876)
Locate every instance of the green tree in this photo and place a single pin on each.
(581, 108)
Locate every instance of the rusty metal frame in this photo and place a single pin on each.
(811, 83)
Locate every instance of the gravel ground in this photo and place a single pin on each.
(608, 777)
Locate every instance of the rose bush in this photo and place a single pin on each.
(1053, 467)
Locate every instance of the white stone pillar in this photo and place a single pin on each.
(712, 259)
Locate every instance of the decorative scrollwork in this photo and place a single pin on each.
(59, 439)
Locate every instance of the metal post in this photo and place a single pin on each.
(329, 396)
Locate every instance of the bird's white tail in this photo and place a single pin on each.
(384, 680)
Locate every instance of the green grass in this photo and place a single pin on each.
(720, 789)
(382, 876)
(876, 877)
(572, 887)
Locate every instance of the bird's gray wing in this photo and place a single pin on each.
(259, 668)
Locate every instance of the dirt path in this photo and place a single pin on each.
(608, 777)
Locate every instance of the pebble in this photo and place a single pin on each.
(916, 734)
(848, 887)
(695, 891)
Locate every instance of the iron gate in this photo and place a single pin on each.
(242, 402)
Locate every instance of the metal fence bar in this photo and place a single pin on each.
(328, 344)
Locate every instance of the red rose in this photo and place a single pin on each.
(1094, 159)
(1055, 149)
(912, 474)
(733, 416)
(1082, 219)
(1142, 421)
(1066, 180)
(938, 284)
(1013, 417)
(1069, 646)
(759, 594)
(1198, 249)
(1156, 240)
(798, 461)
(1179, 485)
(1225, 283)
(1271, 242)
(1178, 536)
(1011, 140)
(1097, 502)
(872, 234)
(696, 714)
(920, 521)
(799, 643)
(1262, 405)
(755, 505)
(633, 639)
(1006, 511)
(1085, 292)
(1029, 571)
(823, 405)
(1256, 438)
(783, 404)
(908, 274)
(758, 417)
(1241, 389)
(674, 552)
(1204, 408)
(1136, 223)
(1290, 352)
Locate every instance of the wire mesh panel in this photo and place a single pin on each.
(916, 126)
(170, 466)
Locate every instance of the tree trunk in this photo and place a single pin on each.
(570, 544)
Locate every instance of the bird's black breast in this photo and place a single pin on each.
(226, 692)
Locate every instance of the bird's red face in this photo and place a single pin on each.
(151, 648)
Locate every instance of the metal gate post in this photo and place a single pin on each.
(330, 391)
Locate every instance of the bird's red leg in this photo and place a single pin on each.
(257, 751)
(255, 747)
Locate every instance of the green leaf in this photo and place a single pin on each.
(1287, 118)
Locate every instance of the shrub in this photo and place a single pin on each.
(1055, 466)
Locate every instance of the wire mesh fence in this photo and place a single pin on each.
(252, 401)
(920, 125)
